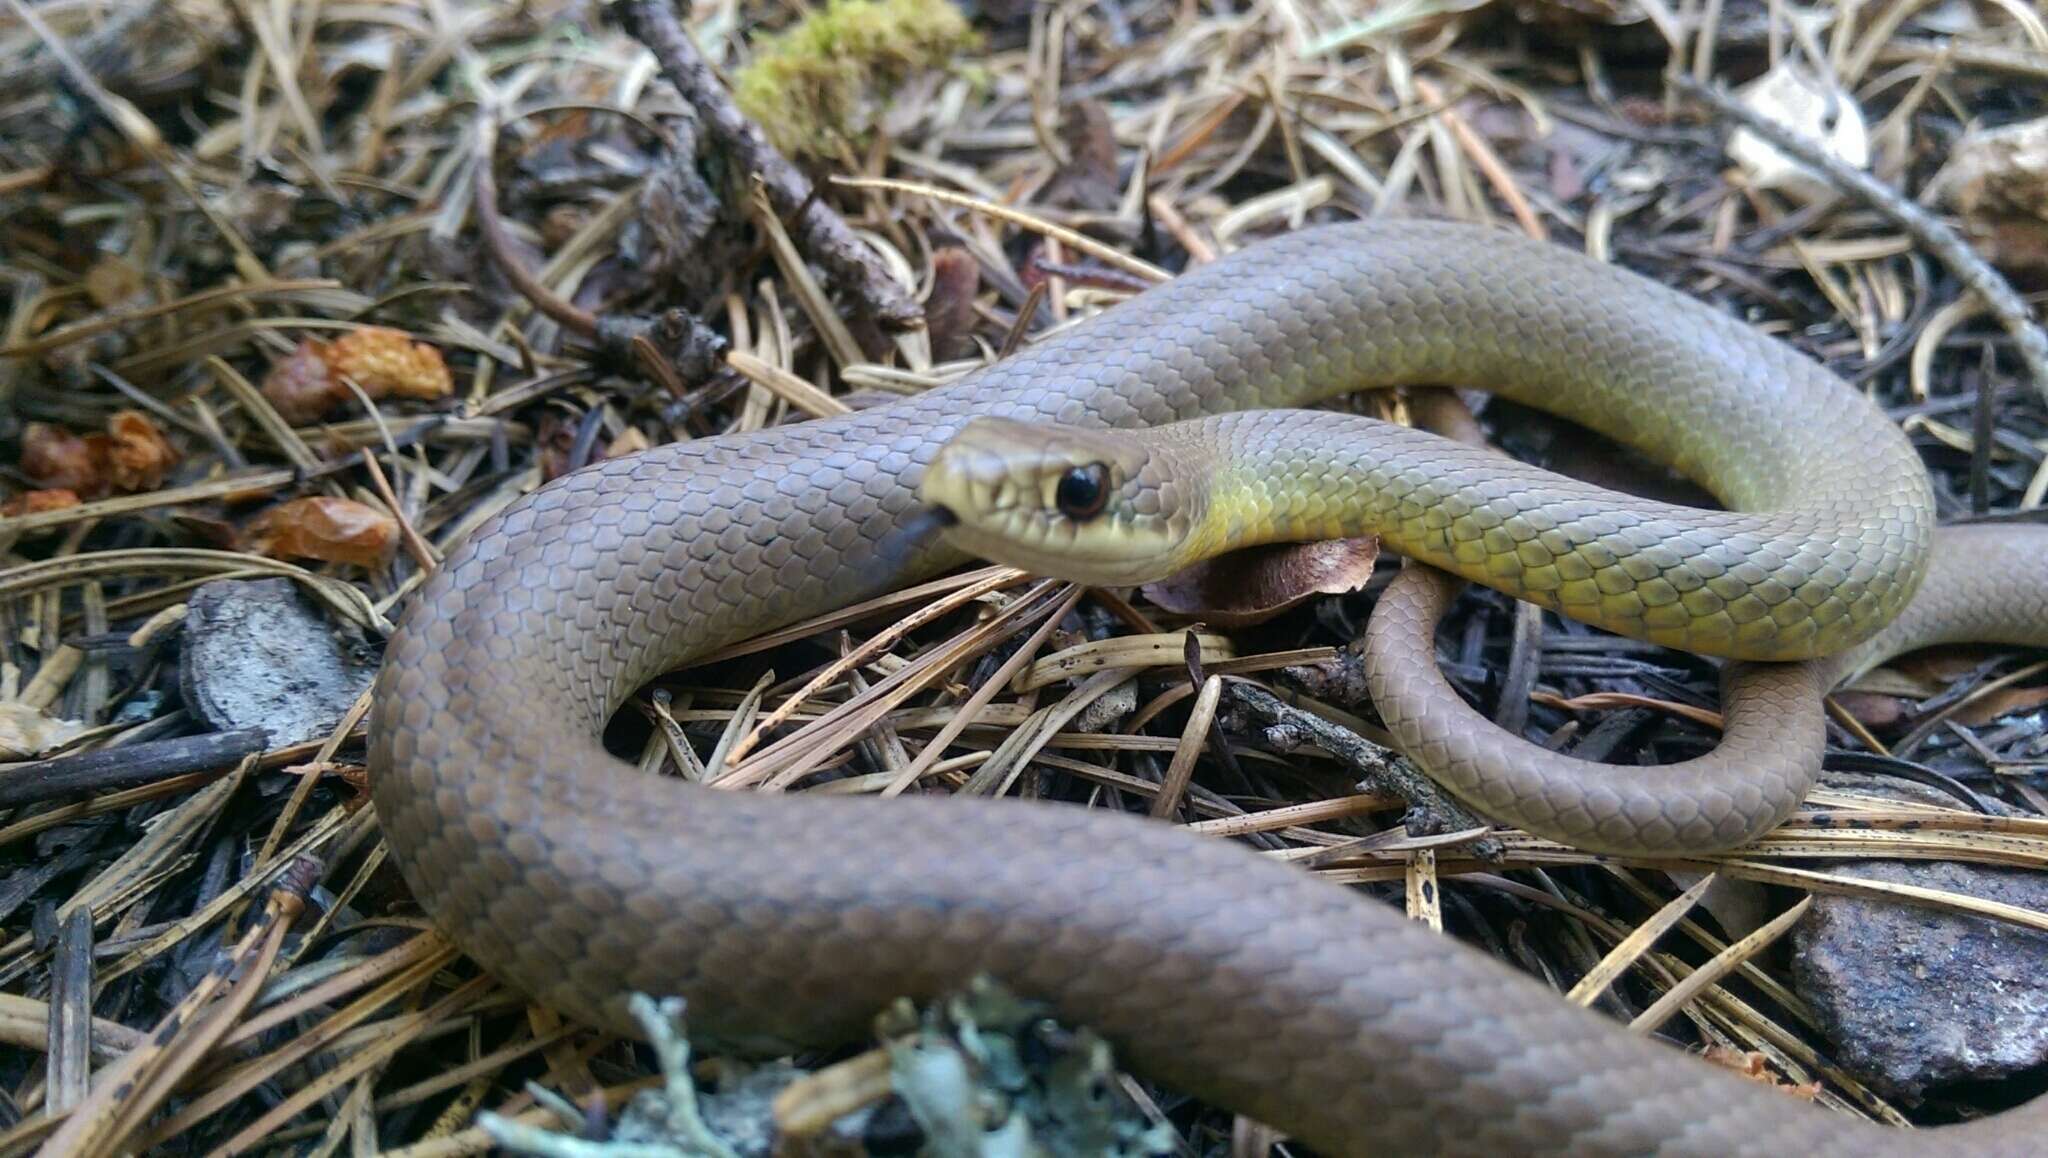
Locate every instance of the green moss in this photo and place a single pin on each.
(824, 80)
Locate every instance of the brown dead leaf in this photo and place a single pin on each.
(949, 311)
(60, 460)
(1997, 182)
(133, 456)
(53, 458)
(138, 454)
(328, 529)
(1252, 586)
(2013, 243)
(1998, 171)
(211, 529)
(300, 388)
(633, 441)
(1873, 710)
(1936, 667)
(36, 502)
(554, 437)
(1089, 178)
(307, 385)
(561, 224)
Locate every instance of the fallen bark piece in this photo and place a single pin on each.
(258, 654)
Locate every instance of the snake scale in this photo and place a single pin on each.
(791, 919)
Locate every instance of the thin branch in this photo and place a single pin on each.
(1930, 231)
(822, 233)
(1431, 809)
(672, 346)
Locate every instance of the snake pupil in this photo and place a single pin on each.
(1082, 491)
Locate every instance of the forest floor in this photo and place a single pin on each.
(307, 293)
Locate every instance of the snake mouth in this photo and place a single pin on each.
(940, 516)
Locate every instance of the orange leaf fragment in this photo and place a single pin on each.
(1756, 1067)
(387, 363)
(132, 456)
(36, 502)
(307, 384)
(138, 454)
(328, 529)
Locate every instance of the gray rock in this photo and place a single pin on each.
(1912, 997)
(259, 654)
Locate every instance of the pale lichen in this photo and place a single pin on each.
(983, 1073)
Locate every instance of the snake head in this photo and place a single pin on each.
(1103, 507)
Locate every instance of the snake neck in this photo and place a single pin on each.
(1801, 578)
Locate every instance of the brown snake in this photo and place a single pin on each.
(792, 919)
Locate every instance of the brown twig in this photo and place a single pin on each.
(126, 767)
(687, 347)
(498, 239)
(822, 233)
(1431, 810)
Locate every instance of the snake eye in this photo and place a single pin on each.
(1082, 491)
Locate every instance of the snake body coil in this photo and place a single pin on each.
(792, 919)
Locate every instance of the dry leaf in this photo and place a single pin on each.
(36, 502)
(138, 454)
(949, 311)
(328, 529)
(387, 363)
(633, 441)
(2004, 702)
(133, 456)
(1251, 586)
(553, 438)
(561, 224)
(26, 732)
(1936, 667)
(1998, 171)
(56, 459)
(1792, 95)
(300, 388)
(1089, 178)
(1874, 710)
(1997, 182)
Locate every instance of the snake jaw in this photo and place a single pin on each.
(999, 482)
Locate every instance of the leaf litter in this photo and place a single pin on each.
(337, 283)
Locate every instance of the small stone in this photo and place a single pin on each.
(1913, 997)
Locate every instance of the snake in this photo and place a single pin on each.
(788, 920)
